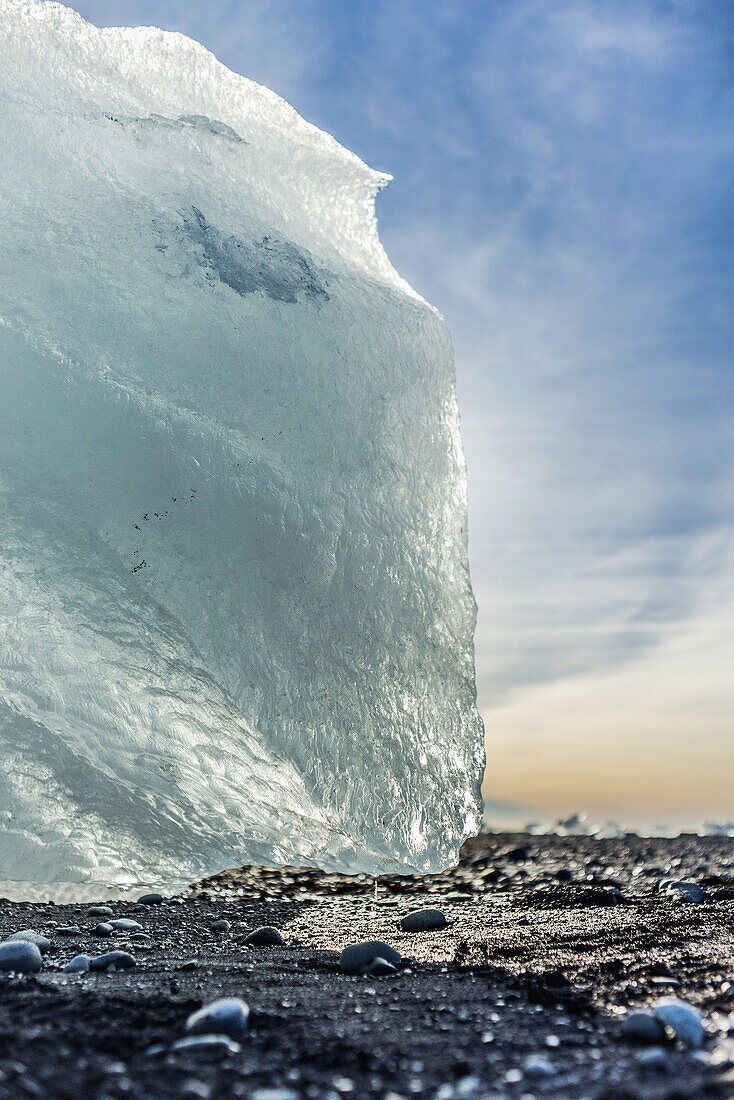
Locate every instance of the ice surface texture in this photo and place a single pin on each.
(236, 620)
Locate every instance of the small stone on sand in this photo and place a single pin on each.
(643, 1027)
(121, 960)
(27, 935)
(535, 1065)
(682, 1019)
(423, 920)
(265, 937)
(276, 1094)
(654, 1060)
(685, 891)
(358, 955)
(20, 956)
(228, 1016)
(379, 968)
(78, 965)
(221, 1043)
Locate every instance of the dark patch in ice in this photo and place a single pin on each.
(212, 126)
(271, 265)
(201, 123)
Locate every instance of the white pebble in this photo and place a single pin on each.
(78, 965)
(27, 935)
(222, 1043)
(683, 1019)
(653, 1059)
(228, 1016)
(274, 1094)
(535, 1065)
(21, 957)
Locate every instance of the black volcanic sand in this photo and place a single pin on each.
(530, 964)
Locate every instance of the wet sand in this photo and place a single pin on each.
(549, 940)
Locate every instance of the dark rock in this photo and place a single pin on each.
(20, 956)
(121, 960)
(358, 955)
(643, 1028)
(265, 937)
(685, 891)
(27, 935)
(515, 855)
(423, 920)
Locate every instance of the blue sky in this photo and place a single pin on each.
(563, 193)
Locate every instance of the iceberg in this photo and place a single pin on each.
(236, 620)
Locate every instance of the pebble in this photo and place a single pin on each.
(220, 1043)
(535, 1065)
(78, 965)
(221, 926)
(103, 929)
(155, 1050)
(100, 911)
(68, 930)
(683, 1019)
(228, 1016)
(643, 1027)
(124, 924)
(358, 955)
(423, 920)
(199, 1090)
(265, 937)
(654, 1059)
(379, 968)
(121, 960)
(21, 956)
(275, 1094)
(27, 935)
(150, 899)
(685, 891)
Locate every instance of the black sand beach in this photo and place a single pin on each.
(549, 939)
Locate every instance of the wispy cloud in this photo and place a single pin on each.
(654, 728)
